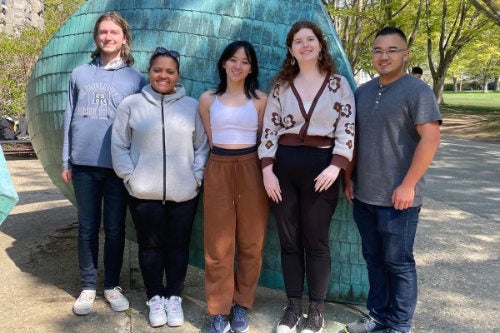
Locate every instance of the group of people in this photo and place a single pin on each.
(150, 147)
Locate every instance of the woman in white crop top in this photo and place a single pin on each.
(235, 203)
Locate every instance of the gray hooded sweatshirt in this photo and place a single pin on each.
(159, 146)
(94, 93)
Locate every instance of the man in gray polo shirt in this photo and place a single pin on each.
(397, 124)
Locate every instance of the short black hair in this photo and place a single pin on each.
(417, 70)
(391, 31)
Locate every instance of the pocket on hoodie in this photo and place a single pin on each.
(146, 180)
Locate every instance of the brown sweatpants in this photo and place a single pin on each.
(236, 209)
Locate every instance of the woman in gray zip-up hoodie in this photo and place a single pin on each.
(159, 147)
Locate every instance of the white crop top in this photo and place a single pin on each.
(233, 124)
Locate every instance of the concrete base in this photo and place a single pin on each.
(457, 253)
(39, 271)
(266, 313)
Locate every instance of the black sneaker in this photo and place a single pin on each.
(315, 321)
(291, 317)
(364, 325)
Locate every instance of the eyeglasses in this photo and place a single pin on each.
(163, 51)
(389, 53)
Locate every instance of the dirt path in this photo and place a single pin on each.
(472, 126)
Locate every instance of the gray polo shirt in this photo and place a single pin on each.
(385, 120)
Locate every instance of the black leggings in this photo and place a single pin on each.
(303, 219)
(163, 235)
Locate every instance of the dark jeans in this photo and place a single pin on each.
(163, 234)
(99, 192)
(387, 237)
(303, 220)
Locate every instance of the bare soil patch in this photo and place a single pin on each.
(481, 127)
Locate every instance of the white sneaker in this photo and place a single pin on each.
(173, 306)
(116, 299)
(157, 314)
(84, 302)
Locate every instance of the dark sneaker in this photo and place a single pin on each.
(364, 325)
(315, 321)
(291, 317)
(239, 321)
(219, 324)
(392, 330)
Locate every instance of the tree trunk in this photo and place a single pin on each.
(485, 83)
(459, 26)
(438, 87)
(455, 84)
(497, 83)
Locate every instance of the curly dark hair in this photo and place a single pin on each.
(116, 18)
(325, 62)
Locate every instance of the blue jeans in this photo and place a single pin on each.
(99, 192)
(387, 237)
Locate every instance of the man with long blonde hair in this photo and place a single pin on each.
(94, 92)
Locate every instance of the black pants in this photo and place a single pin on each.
(163, 235)
(303, 219)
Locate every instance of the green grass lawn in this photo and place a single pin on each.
(473, 101)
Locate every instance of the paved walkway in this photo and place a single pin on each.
(457, 250)
(458, 243)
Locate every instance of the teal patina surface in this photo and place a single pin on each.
(199, 30)
(8, 194)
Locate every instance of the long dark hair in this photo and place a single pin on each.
(116, 18)
(290, 69)
(251, 81)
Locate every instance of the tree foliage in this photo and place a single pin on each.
(437, 31)
(440, 32)
(19, 53)
(357, 21)
(479, 61)
(490, 8)
(450, 26)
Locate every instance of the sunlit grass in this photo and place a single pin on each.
(473, 100)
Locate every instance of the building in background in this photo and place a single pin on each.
(17, 13)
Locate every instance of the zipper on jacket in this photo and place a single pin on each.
(164, 153)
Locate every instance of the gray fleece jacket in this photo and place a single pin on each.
(159, 146)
